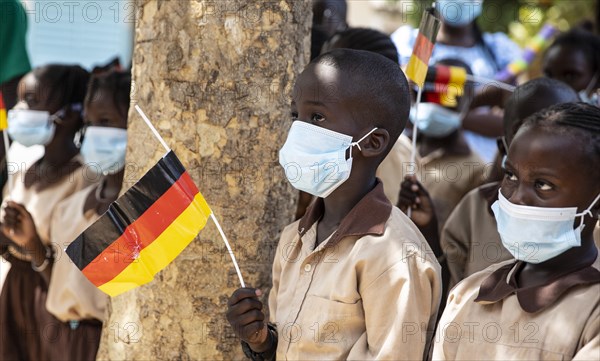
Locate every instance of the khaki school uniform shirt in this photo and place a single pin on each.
(71, 296)
(395, 166)
(41, 203)
(369, 292)
(470, 238)
(488, 317)
(448, 175)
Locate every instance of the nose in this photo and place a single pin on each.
(519, 195)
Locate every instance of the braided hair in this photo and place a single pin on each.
(114, 82)
(363, 39)
(580, 121)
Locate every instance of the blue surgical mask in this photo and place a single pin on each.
(104, 148)
(434, 120)
(459, 12)
(537, 234)
(314, 158)
(30, 127)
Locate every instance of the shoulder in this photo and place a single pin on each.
(400, 242)
(502, 46)
(467, 289)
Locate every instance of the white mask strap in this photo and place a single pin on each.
(590, 86)
(588, 211)
(360, 140)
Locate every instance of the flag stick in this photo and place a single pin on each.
(237, 268)
(164, 144)
(160, 139)
(413, 152)
(6, 146)
(488, 81)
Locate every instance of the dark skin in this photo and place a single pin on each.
(571, 66)
(311, 104)
(489, 123)
(103, 112)
(543, 169)
(18, 226)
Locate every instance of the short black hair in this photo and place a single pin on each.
(378, 80)
(116, 83)
(363, 39)
(580, 121)
(583, 40)
(67, 84)
(531, 97)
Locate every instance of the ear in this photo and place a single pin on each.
(376, 144)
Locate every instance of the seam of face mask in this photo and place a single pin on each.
(323, 131)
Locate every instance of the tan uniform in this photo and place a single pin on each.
(489, 317)
(448, 175)
(370, 291)
(41, 203)
(71, 296)
(470, 238)
(395, 166)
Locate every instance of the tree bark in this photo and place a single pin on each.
(215, 77)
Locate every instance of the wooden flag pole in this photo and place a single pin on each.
(212, 215)
(413, 152)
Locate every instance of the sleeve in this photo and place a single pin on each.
(455, 239)
(505, 50)
(404, 39)
(590, 339)
(400, 308)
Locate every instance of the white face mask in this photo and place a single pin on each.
(435, 121)
(594, 97)
(104, 149)
(314, 158)
(459, 12)
(30, 127)
(537, 234)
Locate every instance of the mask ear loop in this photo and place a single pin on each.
(588, 211)
(590, 86)
(360, 140)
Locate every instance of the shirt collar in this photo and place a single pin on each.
(368, 216)
(502, 283)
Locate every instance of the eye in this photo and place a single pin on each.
(316, 117)
(543, 185)
(294, 116)
(510, 176)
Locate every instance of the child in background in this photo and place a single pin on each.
(354, 278)
(574, 58)
(544, 305)
(48, 113)
(75, 302)
(449, 169)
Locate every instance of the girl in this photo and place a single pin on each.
(77, 304)
(545, 304)
(48, 113)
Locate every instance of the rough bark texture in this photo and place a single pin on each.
(215, 78)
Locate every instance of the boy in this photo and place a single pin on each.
(353, 278)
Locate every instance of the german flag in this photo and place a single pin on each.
(142, 231)
(416, 70)
(443, 84)
(3, 120)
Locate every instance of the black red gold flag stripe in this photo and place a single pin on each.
(443, 84)
(142, 231)
(416, 70)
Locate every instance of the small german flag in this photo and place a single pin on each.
(3, 119)
(443, 84)
(142, 231)
(416, 69)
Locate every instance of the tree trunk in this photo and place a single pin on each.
(215, 78)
